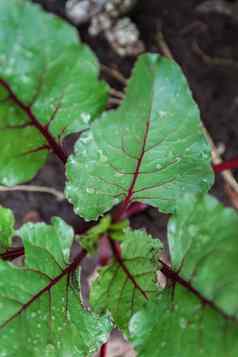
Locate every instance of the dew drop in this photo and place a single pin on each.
(182, 323)
(172, 227)
(90, 190)
(116, 201)
(86, 139)
(205, 155)
(85, 117)
(103, 158)
(50, 348)
(25, 79)
(193, 230)
(162, 114)
(33, 315)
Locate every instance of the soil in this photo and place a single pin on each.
(212, 74)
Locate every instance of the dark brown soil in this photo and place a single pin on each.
(212, 74)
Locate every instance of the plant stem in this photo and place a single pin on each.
(114, 74)
(175, 278)
(103, 350)
(226, 165)
(117, 93)
(119, 259)
(122, 208)
(135, 208)
(32, 188)
(114, 101)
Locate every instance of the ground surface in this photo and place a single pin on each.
(212, 73)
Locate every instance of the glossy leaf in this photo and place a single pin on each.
(199, 315)
(151, 149)
(7, 223)
(122, 288)
(203, 247)
(179, 325)
(43, 314)
(48, 87)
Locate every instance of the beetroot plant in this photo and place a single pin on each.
(149, 151)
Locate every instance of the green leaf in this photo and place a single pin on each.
(48, 87)
(151, 149)
(199, 316)
(203, 247)
(178, 325)
(43, 314)
(7, 223)
(123, 287)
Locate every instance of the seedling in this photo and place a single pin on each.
(149, 151)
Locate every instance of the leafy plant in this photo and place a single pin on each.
(149, 151)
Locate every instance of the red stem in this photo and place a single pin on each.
(14, 253)
(103, 350)
(56, 147)
(175, 278)
(118, 258)
(226, 165)
(125, 204)
(135, 208)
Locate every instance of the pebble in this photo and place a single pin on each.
(107, 17)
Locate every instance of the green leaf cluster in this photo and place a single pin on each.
(158, 151)
(152, 150)
(123, 287)
(41, 311)
(198, 314)
(48, 87)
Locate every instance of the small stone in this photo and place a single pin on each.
(105, 16)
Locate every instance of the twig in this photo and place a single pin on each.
(216, 158)
(114, 101)
(220, 7)
(163, 45)
(32, 188)
(12, 253)
(116, 93)
(213, 60)
(114, 74)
